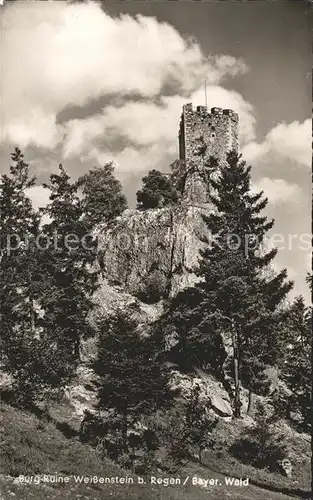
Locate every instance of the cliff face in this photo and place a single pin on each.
(146, 256)
(158, 247)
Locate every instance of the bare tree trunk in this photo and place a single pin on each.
(31, 306)
(32, 312)
(250, 409)
(76, 349)
(237, 403)
(125, 427)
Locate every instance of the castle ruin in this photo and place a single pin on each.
(164, 244)
(203, 135)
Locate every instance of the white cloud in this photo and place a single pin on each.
(57, 54)
(141, 123)
(308, 261)
(278, 266)
(286, 140)
(39, 196)
(36, 127)
(278, 190)
(149, 130)
(224, 65)
(133, 161)
(229, 99)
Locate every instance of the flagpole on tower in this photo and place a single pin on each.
(205, 95)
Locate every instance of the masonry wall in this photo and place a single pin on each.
(202, 135)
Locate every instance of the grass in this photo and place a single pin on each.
(298, 485)
(32, 446)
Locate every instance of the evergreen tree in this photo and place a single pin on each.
(296, 369)
(70, 259)
(18, 226)
(29, 355)
(234, 269)
(103, 198)
(199, 423)
(236, 298)
(157, 191)
(194, 340)
(133, 378)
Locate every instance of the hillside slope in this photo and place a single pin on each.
(33, 447)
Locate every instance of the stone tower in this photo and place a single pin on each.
(201, 136)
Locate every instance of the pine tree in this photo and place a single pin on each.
(237, 298)
(157, 191)
(103, 198)
(133, 379)
(234, 270)
(18, 224)
(29, 354)
(296, 369)
(70, 258)
(199, 423)
(195, 340)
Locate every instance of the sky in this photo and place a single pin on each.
(86, 83)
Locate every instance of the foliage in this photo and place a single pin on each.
(31, 446)
(132, 376)
(133, 383)
(154, 287)
(236, 297)
(260, 446)
(106, 433)
(198, 341)
(199, 423)
(103, 198)
(236, 288)
(18, 227)
(70, 258)
(188, 427)
(29, 353)
(174, 432)
(309, 280)
(296, 364)
(157, 191)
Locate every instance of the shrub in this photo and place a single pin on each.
(154, 288)
(260, 446)
(157, 192)
(188, 429)
(106, 434)
(102, 195)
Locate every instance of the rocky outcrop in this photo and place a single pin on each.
(159, 245)
(109, 298)
(285, 467)
(212, 393)
(82, 393)
(153, 251)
